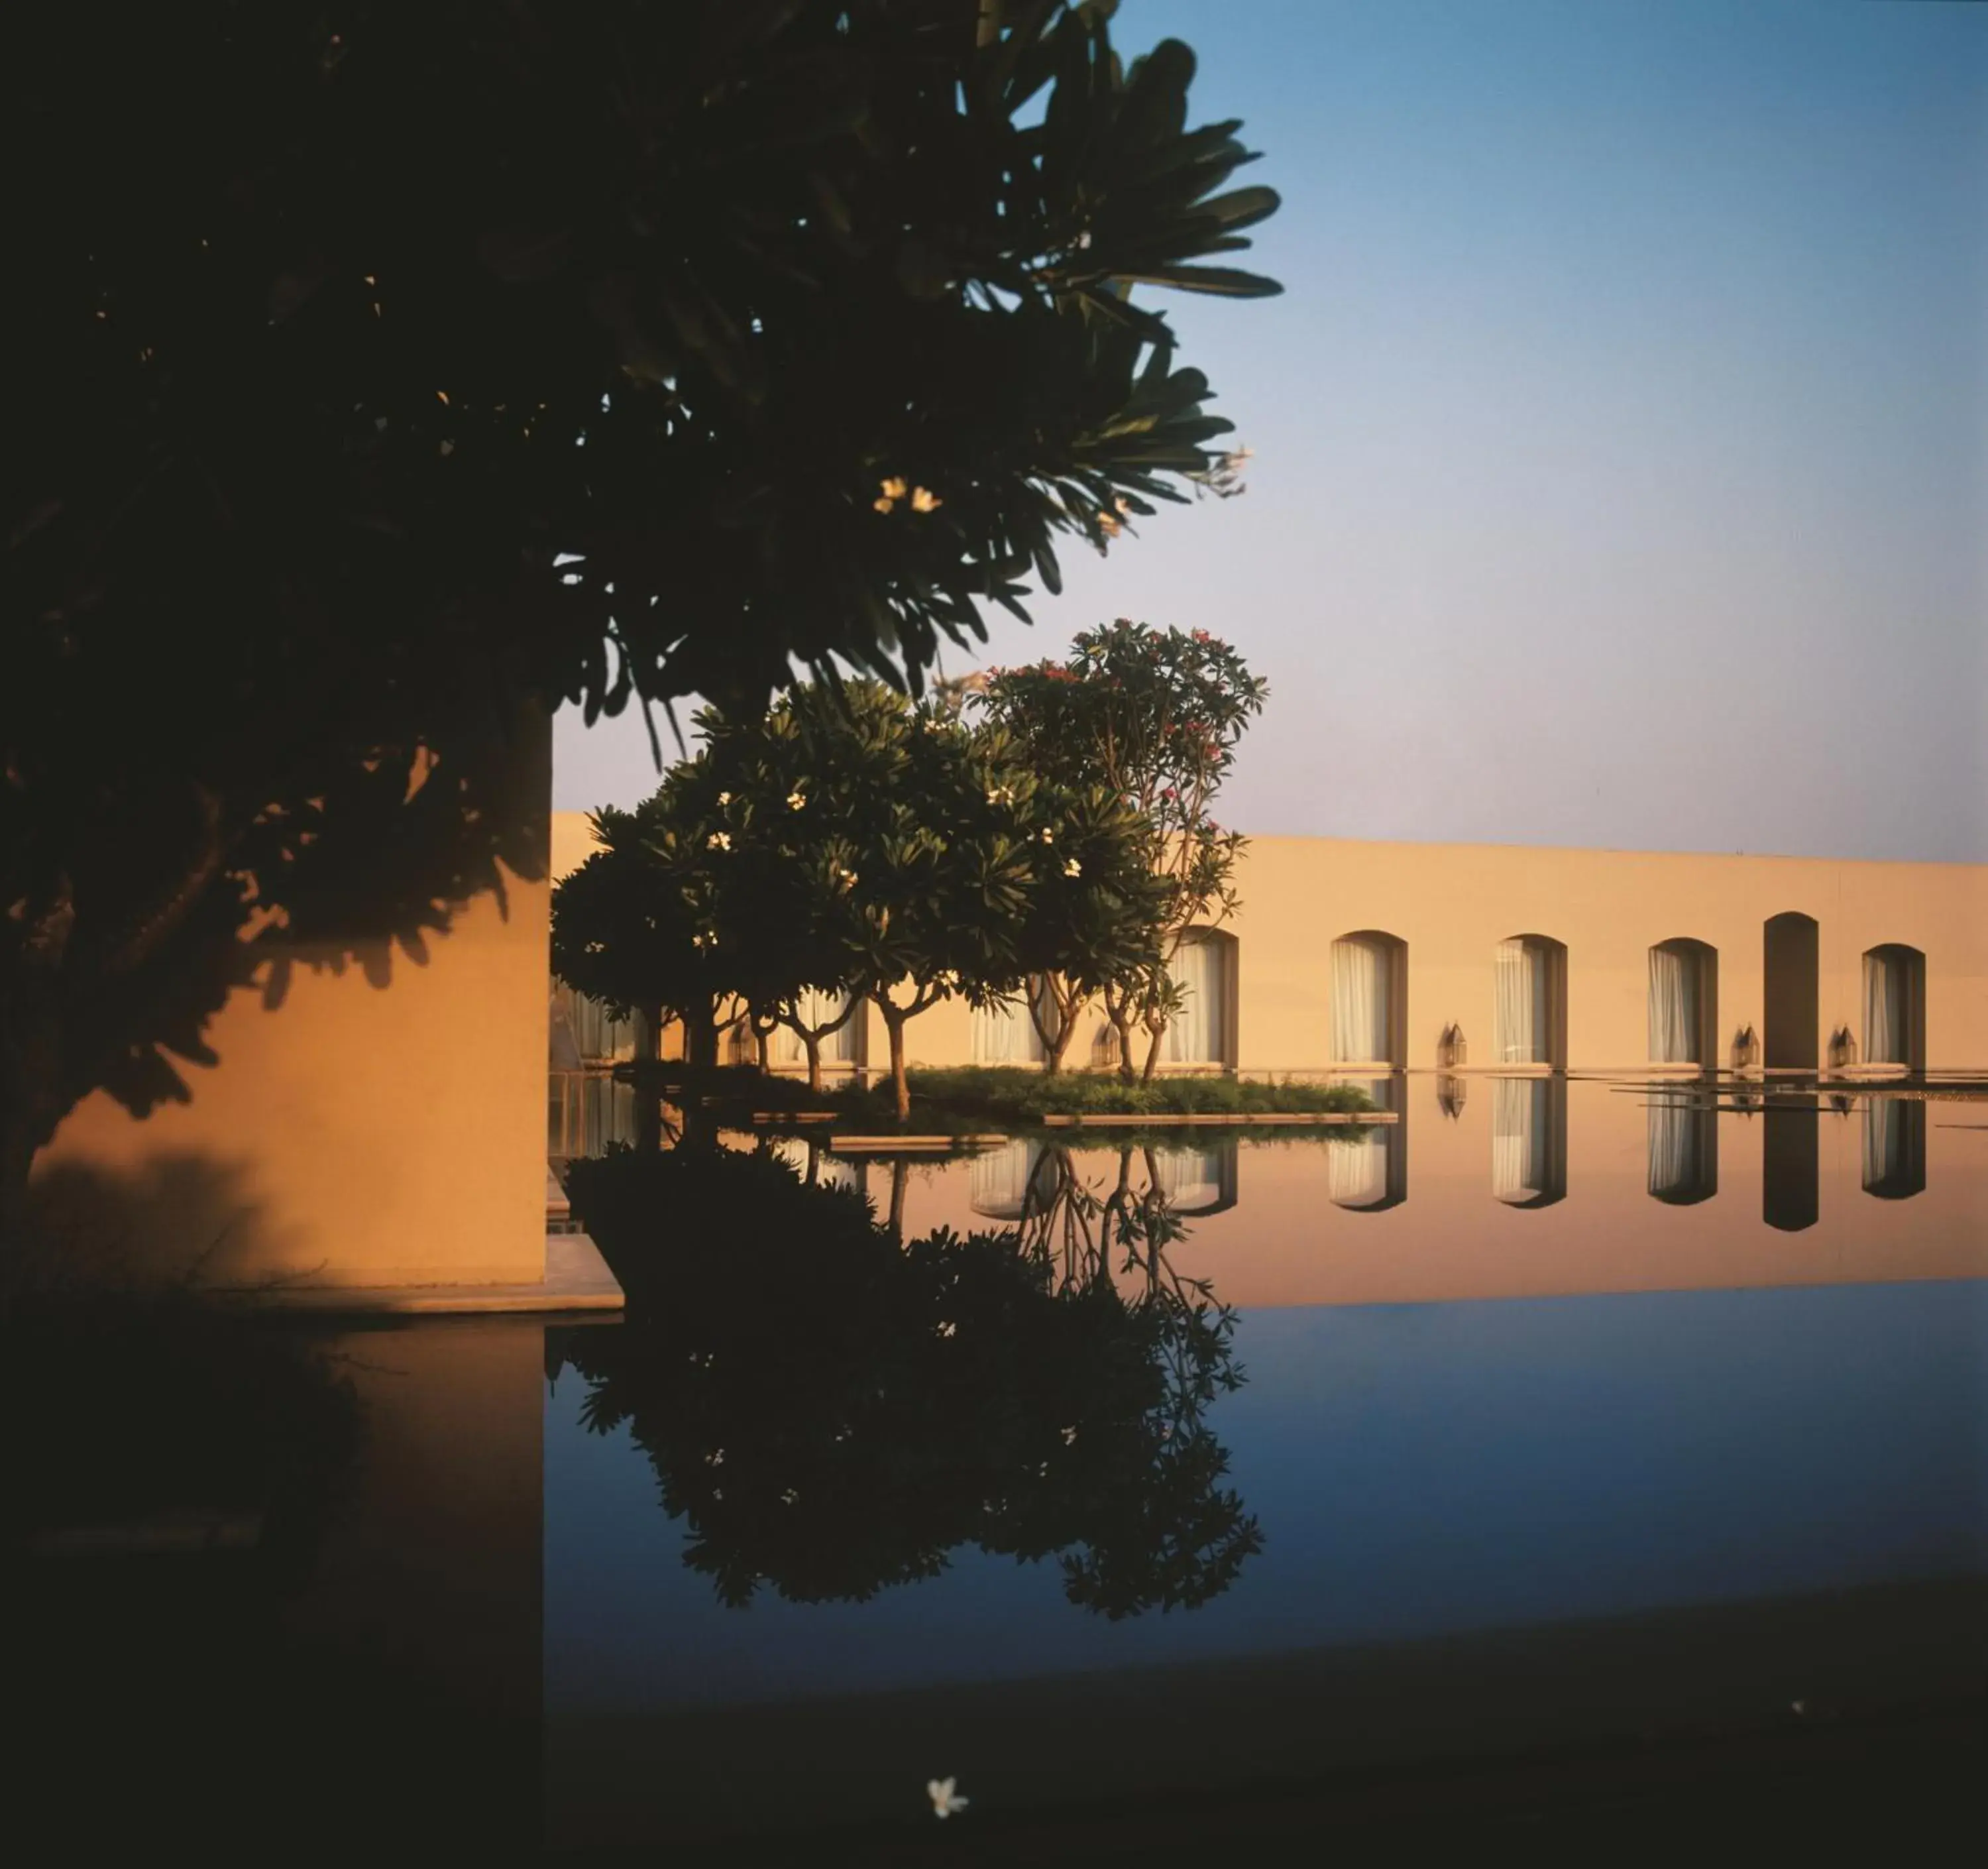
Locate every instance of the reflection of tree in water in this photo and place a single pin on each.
(834, 1413)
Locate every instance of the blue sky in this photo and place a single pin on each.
(1621, 437)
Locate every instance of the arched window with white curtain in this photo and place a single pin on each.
(1194, 1181)
(1683, 1002)
(1202, 1031)
(1369, 992)
(842, 1047)
(1894, 1006)
(1004, 1033)
(1529, 1022)
(997, 1180)
(1528, 1140)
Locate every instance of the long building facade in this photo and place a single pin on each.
(1361, 958)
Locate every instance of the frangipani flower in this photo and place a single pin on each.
(945, 1800)
(796, 800)
(924, 500)
(718, 840)
(1072, 868)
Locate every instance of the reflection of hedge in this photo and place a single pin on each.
(998, 1093)
(122, 1409)
(834, 1413)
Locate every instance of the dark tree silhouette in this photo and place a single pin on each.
(833, 1412)
(383, 375)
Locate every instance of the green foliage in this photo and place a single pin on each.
(833, 1413)
(381, 377)
(1009, 1095)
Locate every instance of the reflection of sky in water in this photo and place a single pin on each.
(1417, 1470)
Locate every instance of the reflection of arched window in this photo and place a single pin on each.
(1530, 1022)
(1005, 1033)
(1528, 1140)
(1370, 974)
(843, 1047)
(1369, 1174)
(829, 1170)
(1203, 1032)
(1894, 1006)
(1196, 1180)
(1684, 1003)
(997, 1181)
(1894, 1148)
(1684, 1150)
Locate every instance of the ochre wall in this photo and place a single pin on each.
(1452, 903)
(357, 1135)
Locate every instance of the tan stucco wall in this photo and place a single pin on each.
(358, 1135)
(1452, 903)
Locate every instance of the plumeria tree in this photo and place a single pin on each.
(1154, 715)
(386, 374)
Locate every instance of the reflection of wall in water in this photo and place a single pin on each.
(1683, 1148)
(1528, 1140)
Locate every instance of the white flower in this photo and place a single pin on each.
(1048, 835)
(924, 501)
(724, 797)
(945, 1800)
(1069, 1436)
(948, 1328)
(706, 937)
(1002, 795)
(718, 840)
(1072, 868)
(790, 1497)
(847, 878)
(796, 800)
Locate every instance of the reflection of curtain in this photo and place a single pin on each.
(1674, 1010)
(1523, 1004)
(1188, 1178)
(1521, 1138)
(817, 1008)
(997, 1183)
(1894, 1147)
(1359, 1003)
(1356, 1172)
(1005, 1034)
(1681, 1138)
(1886, 1011)
(1196, 1036)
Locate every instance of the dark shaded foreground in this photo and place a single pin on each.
(1679, 1728)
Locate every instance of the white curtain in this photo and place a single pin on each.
(1894, 1147)
(1005, 1034)
(1524, 1004)
(1198, 1034)
(842, 1046)
(1521, 1139)
(1675, 998)
(1887, 1007)
(1359, 984)
(1356, 1172)
(997, 1183)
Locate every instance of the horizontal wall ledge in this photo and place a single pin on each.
(1168, 1120)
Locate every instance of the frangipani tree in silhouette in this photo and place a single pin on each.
(1155, 716)
(834, 1413)
(382, 377)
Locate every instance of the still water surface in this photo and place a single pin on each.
(1564, 1409)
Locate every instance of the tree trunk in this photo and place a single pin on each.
(901, 1172)
(894, 1020)
(1157, 1036)
(811, 1043)
(1052, 1059)
(648, 1092)
(1121, 1023)
(763, 1043)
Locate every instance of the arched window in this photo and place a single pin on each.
(1528, 1140)
(841, 1049)
(1894, 1006)
(1203, 1032)
(1791, 948)
(1005, 1033)
(1684, 1149)
(1369, 982)
(1529, 1022)
(1193, 1181)
(1684, 1003)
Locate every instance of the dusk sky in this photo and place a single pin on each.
(1621, 438)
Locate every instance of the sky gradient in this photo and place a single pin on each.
(1621, 438)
